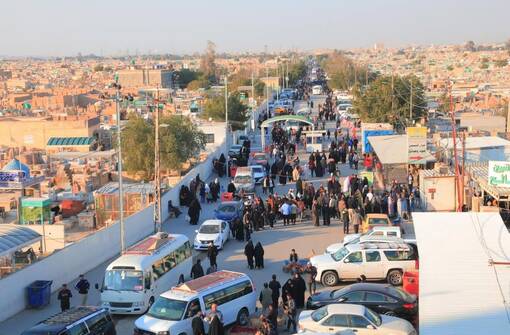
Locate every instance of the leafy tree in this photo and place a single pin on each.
(500, 63)
(343, 73)
(208, 63)
(260, 88)
(444, 103)
(180, 140)
(470, 46)
(296, 72)
(98, 68)
(507, 44)
(237, 112)
(185, 76)
(374, 103)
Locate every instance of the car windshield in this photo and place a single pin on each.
(259, 157)
(373, 317)
(227, 209)
(340, 254)
(167, 309)
(338, 293)
(209, 229)
(257, 169)
(123, 280)
(320, 314)
(242, 179)
(395, 291)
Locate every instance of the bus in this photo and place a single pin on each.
(133, 281)
(314, 140)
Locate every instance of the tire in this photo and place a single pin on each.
(394, 277)
(329, 278)
(243, 317)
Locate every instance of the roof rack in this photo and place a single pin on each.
(384, 245)
(71, 316)
(150, 245)
(208, 281)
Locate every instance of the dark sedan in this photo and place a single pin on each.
(229, 211)
(382, 298)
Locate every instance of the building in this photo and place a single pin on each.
(146, 77)
(36, 132)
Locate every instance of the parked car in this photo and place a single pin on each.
(259, 158)
(77, 320)
(375, 220)
(350, 318)
(370, 261)
(364, 238)
(244, 179)
(259, 173)
(216, 231)
(235, 151)
(381, 298)
(229, 211)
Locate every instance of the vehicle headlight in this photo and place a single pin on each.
(139, 303)
(106, 303)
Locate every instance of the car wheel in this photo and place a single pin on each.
(394, 277)
(329, 278)
(390, 313)
(243, 317)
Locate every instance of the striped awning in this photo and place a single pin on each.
(70, 141)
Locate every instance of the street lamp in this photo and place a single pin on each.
(226, 115)
(119, 166)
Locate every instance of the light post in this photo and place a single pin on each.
(226, 115)
(119, 167)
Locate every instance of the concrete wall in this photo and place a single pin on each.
(65, 265)
(55, 235)
(444, 197)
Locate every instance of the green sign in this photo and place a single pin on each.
(27, 105)
(369, 175)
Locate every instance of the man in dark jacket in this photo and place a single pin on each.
(212, 252)
(249, 251)
(197, 271)
(299, 289)
(83, 287)
(275, 286)
(197, 324)
(65, 295)
(259, 256)
(194, 211)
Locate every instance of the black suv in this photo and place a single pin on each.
(79, 320)
(382, 298)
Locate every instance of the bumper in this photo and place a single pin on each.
(126, 310)
(204, 246)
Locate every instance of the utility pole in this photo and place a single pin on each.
(278, 84)
(454, 135)
(119, 169)
(267, 92)
(411, 103)
(252, 102)
(226, 114)
(392, 94)
(463, 166)
(157, 169)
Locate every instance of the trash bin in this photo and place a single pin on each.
(410, 282)
(38, 293)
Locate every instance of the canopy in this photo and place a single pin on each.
(14, 237)
(280, 118)
(70, 141)
(392, 149)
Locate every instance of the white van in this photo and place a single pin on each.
(317, 90)
(173, 311)
(381, 231)
(371, 261)
(133, 281)
(244, 179)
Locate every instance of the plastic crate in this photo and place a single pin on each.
(39, 293)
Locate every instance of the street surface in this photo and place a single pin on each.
(277, 243)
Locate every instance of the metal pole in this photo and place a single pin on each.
(253, 104)
(157, 174)
(267, 92)
(454, 135)
(226, 114)
(278, 83)
(411, 103)
(119, 171)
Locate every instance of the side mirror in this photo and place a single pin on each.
(96, 286)
(370, 327)
(342, 299)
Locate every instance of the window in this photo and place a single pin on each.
(79, 329)
(97, 324)
(209, 138)
(148, 279)
(320, 314)
(400, 255)
(337, 320)
(356, 296)
(378, 233)
(193, 308)
(359, 321)
(373, 256)
(162, 266)
(167, 309)
(223, 225)
(228, 294)
(392, 233)
(355, 257)
(374, 297)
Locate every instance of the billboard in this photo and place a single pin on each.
(499, 173)
(366, 147)
(416, 144)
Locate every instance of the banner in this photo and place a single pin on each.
(499, 173)
(416, 145)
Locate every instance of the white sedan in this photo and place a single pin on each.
(216, 231)
(352, 319)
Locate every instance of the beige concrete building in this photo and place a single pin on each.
(145, 77)
(35, 132)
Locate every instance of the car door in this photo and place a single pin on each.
(352, 266)
(184, 326)
(334, 323)
(358, 325)
(224, 231)
(372, 267)
(375, 301)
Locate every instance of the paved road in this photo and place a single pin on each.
(277, 243)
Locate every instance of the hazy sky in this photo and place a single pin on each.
(66, 27)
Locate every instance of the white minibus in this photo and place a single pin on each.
(133, 281)
(173, 311)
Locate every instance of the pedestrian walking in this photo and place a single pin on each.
(287, 289)
(196, 270)
(275, 286)
(215, 319)
(249, 252)
(83, 287)
(291, 311)
(212, 252)
(356, 220)
(259, 256)
(197, 324)
(299, 290)
(65, 295)
(266, 298)
(194, 211)
(311, 278)
(315, 213)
